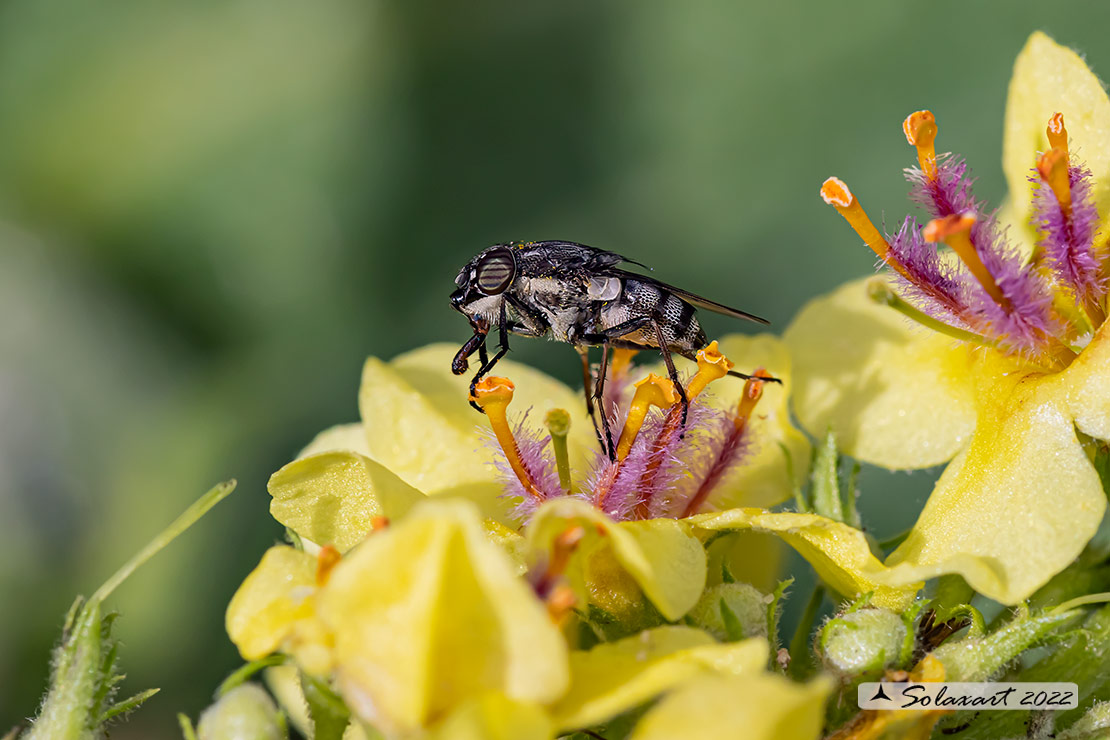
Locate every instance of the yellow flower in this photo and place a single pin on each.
(408, 595)
(1013, 384)
(419, 619)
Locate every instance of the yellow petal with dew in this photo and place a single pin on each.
(661, 555)
(428, 614)
(341, 437)
(896, 395)
(1086, 388)
(766, 706)
(1049, 78)
(271, 599)
(839, 553)
(331, 498)
(419, 424)
(617, 676)
(494, 716)
(764, 478)
(1020, 503)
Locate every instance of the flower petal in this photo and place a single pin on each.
(617, 676)
(494, 716)
(1020, 503)
(1087, 389)
(349, 437)
(271, 599)
(764, 477)
(863, 370)
(839, 553)
(331, 498)
(1049, 78)
(661, 555)
(767, 706)
(415, 410)
(428, 614)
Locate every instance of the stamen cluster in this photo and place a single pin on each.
(1043, 309)
(663, 466)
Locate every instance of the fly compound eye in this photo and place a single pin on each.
(495, 272)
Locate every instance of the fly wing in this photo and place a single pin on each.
(592, 257)
(694, 299)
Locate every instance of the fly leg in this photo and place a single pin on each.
(599, 394)
(670, 369)
(487, 364)
(605, 337)
(476, 342)
(587, 381)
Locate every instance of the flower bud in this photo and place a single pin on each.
(863, 641)
(732, 611)
(245, 713)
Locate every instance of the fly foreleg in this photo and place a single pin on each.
(487, 365)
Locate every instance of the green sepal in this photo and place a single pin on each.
(825, 480)
(329, 714)
(187, 730)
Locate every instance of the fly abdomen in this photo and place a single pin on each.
(676, 317)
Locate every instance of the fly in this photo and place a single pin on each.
(580, 295)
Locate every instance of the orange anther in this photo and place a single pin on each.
(753, 391)
(326, 560)
(712, 365)
(955, 231)
(621, 361)
(378, 523)
(836, 194)
(492, 389)
(940, 229)
(493, 395)
(1057, 133)
(921, 132)
(1053, 169)
(560, 603)
(651, 391)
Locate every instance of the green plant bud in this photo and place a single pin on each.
(1093, 725)
(731, 612)
(863, 641)
(245, 713)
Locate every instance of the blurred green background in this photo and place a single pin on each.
(211, 212)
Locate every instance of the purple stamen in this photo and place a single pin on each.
(949, 193)
(1067, 242)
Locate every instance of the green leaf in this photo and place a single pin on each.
(130, 704)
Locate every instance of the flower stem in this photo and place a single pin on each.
(189, 517)
(800, 657)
